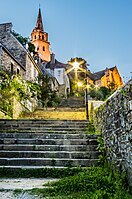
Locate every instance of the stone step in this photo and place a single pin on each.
(44, 128)
(40, 132)
(40, 121)
(30, 147)
(46, 143)
(47, 162)
(49, 141)
(50, 135)
(49, 154)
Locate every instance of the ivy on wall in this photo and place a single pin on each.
(15, 87)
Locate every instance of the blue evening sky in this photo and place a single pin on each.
(99, 31)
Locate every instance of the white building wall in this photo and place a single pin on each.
(59, 75)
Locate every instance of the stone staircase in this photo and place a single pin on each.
(73, 102)
(46, 143)
(72, 108)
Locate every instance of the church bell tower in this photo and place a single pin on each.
(40, 39)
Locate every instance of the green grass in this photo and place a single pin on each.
(39, 173)
(93, 183)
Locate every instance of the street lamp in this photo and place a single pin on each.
(76, 66)
(86, 97)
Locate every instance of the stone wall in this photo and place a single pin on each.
(114, 119)
(7, 60)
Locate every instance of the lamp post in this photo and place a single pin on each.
(86, 98)
(76, 66)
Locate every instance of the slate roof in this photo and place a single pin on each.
(100, 74)
(57, 64)
(39, 23)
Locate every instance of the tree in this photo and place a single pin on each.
(48, 97)
(112, 86)
(99, 94)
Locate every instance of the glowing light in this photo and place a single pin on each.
(87, 86)
(79, 84)
(76, 65)
(96, 86)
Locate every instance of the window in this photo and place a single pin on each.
(42, 37)
(35, 37)
(37, 48)
(59, 73)
(18, 71)
(32, 71)
(43, 48)
(12, 69)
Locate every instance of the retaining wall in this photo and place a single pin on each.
(114, 120)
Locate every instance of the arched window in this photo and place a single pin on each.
(43, 48)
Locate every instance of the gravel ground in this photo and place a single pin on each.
(8, 185)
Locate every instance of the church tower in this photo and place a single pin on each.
(40, 39)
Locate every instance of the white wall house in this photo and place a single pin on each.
(58, 70)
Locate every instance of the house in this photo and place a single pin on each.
(14, 57)
(10, 63)
(58, 70)
(106, 77)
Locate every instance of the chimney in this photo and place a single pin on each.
(52, 58)
(6, 27)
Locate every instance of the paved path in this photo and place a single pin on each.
(8, 185)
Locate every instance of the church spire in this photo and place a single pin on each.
(40, 39)
(39, 24)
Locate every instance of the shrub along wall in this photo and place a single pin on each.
(114, 119)
(3, 115)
